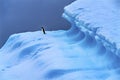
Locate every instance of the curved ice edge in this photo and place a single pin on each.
(83, 25)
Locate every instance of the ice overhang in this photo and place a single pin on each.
(101, 18)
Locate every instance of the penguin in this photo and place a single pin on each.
(43, 30)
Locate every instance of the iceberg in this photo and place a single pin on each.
(89, 50)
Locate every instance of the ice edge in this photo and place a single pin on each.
(83, 25)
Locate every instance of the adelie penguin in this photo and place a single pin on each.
(43, 30)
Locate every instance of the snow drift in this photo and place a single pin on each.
(89, 50)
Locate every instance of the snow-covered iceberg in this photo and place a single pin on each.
(89, 50)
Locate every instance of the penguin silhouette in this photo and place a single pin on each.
(43, 30)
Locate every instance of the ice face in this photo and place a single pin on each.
(101, 17)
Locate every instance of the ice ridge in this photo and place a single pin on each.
(101, 19)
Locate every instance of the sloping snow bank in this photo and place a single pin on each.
(99, 17)
(58, 55)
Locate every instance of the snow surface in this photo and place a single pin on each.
(56, 56)
(84, 52)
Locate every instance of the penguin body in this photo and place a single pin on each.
(43, 30)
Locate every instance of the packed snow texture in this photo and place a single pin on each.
(81, 53)
(58, 55)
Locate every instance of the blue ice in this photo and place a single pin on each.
(89, 50)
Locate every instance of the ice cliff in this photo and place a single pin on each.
(89, 50)
(99, 18)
